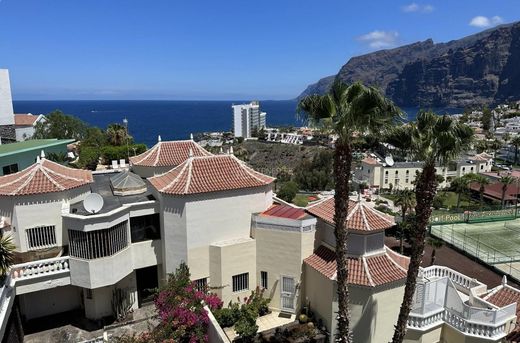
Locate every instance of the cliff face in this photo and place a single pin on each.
(479, 69)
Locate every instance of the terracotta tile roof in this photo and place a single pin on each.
(506, 295)
(284, 211)
(494, 190)
(209, 174)
(168, 154)
(25, 119)
(370, 160)
(43, 177)
(360, 216)
(368, 271)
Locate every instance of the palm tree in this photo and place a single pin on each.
(506, 181)
(406, 199)
(347, 109)
(460, 185)
(435, 244)
(432, 139)
(6, 256)
(516, 143)
(482, 182)
(117, 135)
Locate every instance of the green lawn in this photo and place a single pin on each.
(301, 200)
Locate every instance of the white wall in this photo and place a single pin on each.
(51, 301)
(6, 102)
(24, 133)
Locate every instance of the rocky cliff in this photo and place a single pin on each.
(478, 69)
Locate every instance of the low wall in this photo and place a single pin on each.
(215, 332)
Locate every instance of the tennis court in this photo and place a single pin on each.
(492, 242)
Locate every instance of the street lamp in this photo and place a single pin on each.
(125, 122)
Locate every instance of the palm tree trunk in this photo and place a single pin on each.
(342, 168)
(401, 248)
(425, 191)
(432, 262)
(504, 197)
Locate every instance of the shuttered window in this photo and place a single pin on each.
(241, 282)
(41, 237)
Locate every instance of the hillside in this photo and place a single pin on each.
(478, 69)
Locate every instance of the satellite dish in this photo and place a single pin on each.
(93, 203)
(389, 161)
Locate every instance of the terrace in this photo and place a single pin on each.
(446, 296)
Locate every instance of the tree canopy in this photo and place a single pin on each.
(61, 126)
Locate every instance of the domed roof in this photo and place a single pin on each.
(42, 177)
(127, 183)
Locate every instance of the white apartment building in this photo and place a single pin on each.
(218, 215)
(380, 174)
(246, 118)
(7, 133)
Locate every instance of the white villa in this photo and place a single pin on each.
(380, 174)
(180, 203)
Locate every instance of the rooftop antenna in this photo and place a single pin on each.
(191, 136)
(159, 138)
(42, 154)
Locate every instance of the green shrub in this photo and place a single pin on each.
(288, 191)
(246, 326)
(110, 152)
(88, 158)
(228, 316)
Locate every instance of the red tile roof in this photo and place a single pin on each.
(370, 160)
(284, 211)
(504, 296)
(25, 119)
(360, 216)
(494, 190)
(43, 177)
(209, 174)
(368, 271)
(168, 154)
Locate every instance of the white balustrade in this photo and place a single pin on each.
(40, 268)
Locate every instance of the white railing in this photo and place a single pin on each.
(40, 268)
(24, 271)
(457, 278)
(470, 320)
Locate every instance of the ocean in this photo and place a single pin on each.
(171, 119)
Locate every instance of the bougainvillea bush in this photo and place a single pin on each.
(180, 310)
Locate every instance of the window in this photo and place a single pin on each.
(240, 282)
(263, 279)
(481, 167)
(407, 180)
(396, 172)
(463, 168)
(471, 168)
(99, 243)
(368, 171)
(41, 237)
(386, 181)
(201, 284)
(386, 172)
(407, 172)
(144, 228)
(12, 168)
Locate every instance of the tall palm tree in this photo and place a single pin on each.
(515, 142)
(435, 244)
(506, 180)
(6, 255)
(406, 199)
(432, 139)
(460, 185)
(482, 182)
(347, 109)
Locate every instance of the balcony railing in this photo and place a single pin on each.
(438, 301)
(40, 268)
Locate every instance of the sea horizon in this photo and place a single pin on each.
(172, 119)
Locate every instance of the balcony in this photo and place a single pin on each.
(446, 296)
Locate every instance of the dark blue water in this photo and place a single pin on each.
(170, 119)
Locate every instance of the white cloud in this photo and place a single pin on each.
(415, 7)
(481, 21)
(380, 39)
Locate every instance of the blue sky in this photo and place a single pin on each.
(227, 49)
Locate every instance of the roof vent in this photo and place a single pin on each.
(127, 183)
